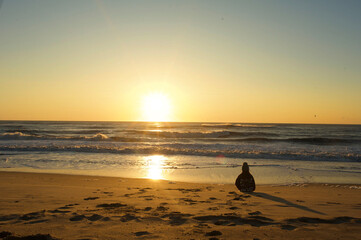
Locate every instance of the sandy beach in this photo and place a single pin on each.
(154, 119)
(56, 206)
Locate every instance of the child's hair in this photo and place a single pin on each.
(245, 167)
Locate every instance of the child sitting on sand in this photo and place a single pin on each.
(245, 181)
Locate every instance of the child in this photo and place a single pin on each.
(245, 181)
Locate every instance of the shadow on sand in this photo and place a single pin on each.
(284, 201)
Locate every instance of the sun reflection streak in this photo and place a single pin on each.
(154, 165)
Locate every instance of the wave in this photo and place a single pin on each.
(311, 141)
(308, 140)
(197, 135)
(321, 140)
(193, 149)
(220, 136)
(95, 137)
(26, 136)
(60, 131)
(150, 133)
(237, 125)
(15, 136)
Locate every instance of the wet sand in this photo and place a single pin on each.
(57, 206)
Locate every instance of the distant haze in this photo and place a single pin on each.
(216, 61)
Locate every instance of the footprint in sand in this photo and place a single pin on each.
(213, 233)
(58, 211)
(238, 199)
(186, 190)
(128, 194)
(141, 233)
(188, 201)
(37, 221)
(288, 227)
(5, 218)
(162, 208)
(105, 219)
(72, 204)
(148, 197)
(128, 217)
(95, 217)
(213, 208)
(222, 222)
(65, 207)
(92, 218)
(254, 213)
(143, 190)
(111, 205)
(236, 220)
(33, 215)
(90, 198)
(336, 220)
(77, 218)
(176, 218)
(9, 235)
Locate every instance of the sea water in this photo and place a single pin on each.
(194, 152)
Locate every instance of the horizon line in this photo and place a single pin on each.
(139, 121)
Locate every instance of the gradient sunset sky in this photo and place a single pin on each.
(216, 61)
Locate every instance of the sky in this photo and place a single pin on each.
(216, 61)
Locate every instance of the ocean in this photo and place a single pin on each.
(193, 152)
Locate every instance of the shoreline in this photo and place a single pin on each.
(98, 207)
(275, 173)
(77, 173)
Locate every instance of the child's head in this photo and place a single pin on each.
(245, 167)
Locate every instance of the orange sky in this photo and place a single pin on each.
(294, 62)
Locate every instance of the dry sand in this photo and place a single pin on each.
(90, 207)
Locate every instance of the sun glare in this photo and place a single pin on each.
(156, 107)
(155, 164)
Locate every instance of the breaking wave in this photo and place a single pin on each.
(24, 136)
(339, 143)
(237, 125)
(212, 150)
(149, 136)
(313, 141)
(197, 135)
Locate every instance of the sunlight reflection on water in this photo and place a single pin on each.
(155, 165)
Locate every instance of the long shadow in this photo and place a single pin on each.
(284, 201)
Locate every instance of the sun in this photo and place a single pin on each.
(156, 107)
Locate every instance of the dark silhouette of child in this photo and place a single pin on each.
(245, 181)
